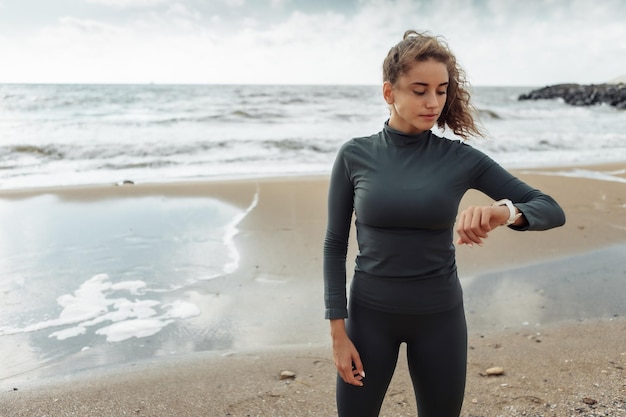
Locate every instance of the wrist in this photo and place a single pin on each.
(513, 212)
(337, 327)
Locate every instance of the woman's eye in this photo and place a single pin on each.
(421, 93)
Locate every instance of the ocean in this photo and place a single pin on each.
(56, 135)
(95, 282)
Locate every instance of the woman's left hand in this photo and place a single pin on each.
(475, 222)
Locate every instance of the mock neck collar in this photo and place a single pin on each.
(398, 138)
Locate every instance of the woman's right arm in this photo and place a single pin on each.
(340, 208)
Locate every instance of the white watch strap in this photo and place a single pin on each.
(512, 214)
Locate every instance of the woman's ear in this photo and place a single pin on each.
(388, 92)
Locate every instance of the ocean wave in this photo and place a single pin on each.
(488, 114)
(293, 100)
(232, 116)
(138, 165)
(150, 155)
(177, 120)
(249, 114)
(296, 145)
(49, 151)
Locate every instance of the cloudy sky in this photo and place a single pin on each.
(498, 42)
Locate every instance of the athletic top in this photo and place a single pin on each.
(404, 191)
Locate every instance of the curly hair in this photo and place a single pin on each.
(458, 112)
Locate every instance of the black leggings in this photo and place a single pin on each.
(436, 354)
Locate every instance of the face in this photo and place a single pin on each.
(418, 97)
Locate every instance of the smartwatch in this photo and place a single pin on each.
(512, 214)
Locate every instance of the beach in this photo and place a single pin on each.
(545, 307)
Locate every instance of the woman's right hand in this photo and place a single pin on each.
(347, 359)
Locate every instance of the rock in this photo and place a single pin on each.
(287, 375)
(589, 401)
(582, 95)
(495, 371)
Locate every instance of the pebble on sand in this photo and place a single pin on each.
(495, 371)
(287, 375)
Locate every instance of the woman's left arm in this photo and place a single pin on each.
(535, 210)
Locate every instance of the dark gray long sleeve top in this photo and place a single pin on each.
(404, 191)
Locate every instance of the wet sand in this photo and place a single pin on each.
(547, 307)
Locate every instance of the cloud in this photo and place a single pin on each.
(234, 3)
(499, 42)
(127, 4)
(503, 42)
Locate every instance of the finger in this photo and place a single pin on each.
(463, 238)
(485, 223)
(359, 372)
(345, 371)
(357, 375)
(347, 374)
(352, 379)
(480, 223)
(467, 228)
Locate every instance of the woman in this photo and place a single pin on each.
(404, 185)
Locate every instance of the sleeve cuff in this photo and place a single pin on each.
(336, 313)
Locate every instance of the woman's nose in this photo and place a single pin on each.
(431, 101)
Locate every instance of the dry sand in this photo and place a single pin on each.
(566, 365)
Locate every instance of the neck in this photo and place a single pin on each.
(403, 127)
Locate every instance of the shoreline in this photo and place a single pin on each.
(151, 185)
(279, 243)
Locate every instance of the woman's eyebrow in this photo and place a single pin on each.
(426, 84)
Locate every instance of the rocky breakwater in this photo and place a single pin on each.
(582, 95)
